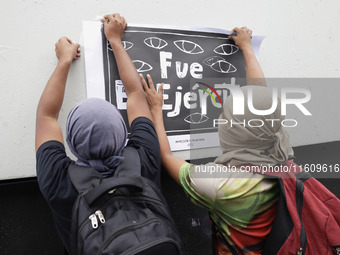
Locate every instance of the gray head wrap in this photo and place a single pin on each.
(242, 144)
(96, 135)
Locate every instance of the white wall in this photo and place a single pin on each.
(302, 41)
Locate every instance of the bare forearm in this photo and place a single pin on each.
(47, 127)
(171, 163)
(242, 39)
(254, 72)
(157, 117)
(127, 70)
(53, 95)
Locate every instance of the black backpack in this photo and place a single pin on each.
(125, 214)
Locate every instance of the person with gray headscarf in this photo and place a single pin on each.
(98, 139)
(242, 205)
(95, 130)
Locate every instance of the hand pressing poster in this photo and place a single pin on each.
(185, 61)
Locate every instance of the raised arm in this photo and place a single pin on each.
(114, 26)
(155, 100)
(47, 127)
(254, 72)
(171, 163)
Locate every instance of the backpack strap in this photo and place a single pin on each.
(131, 164)
(87, 179)
(83, 178)
(282, 225)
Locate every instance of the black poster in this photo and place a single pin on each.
(185, 61)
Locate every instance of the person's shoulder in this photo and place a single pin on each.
(51, 155)
(143, 132)
(50, 145)
(141, 121)
(51, 168)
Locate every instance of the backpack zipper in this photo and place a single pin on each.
(100, 216)
(93, 219)
(126, 229)
(337, 250)
(300, 251)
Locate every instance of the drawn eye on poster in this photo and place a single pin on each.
(184, 61)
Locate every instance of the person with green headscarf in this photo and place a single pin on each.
(242, 205)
